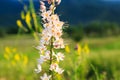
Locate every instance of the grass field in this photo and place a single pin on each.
(103, 62)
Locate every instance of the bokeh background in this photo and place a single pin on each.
(91, 32)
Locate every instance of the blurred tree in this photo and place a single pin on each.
(93, 29)
(75, 32)
(2, 32)
(102, 29)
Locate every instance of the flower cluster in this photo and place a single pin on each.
(50, 39)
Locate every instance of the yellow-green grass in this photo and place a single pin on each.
(25, 45)
(104, 57)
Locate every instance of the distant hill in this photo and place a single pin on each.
(72, 11)
(84, 11)
(9, 13)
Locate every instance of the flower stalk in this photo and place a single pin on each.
(51, 57)
(50, 40)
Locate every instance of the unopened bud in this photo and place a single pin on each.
(52, 7)
(42, 3)
(49, 1)
(42, 8)
(58, 2)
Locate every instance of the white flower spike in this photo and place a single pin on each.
(51, 39)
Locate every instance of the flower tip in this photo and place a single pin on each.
(58, 2)
(42, 3)
(49, 1)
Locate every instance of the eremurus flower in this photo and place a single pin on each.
(50, 40)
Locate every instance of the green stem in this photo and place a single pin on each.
(51, 48)
(51, 58)
(53, 3)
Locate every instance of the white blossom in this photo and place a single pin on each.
(46, 14)
(39, 69)
(41, 59)
(41, 48)
(45, 77)
(53, 66)
(47, 55)
(54, 17)
(59, 56)
(59, 70)
(58, 43)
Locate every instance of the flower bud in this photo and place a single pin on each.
(42, 8)
(58, 2)
(49, 1)
(52, 7)
(42, 3)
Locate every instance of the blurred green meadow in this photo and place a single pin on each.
(92, 48)
(102, 63)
